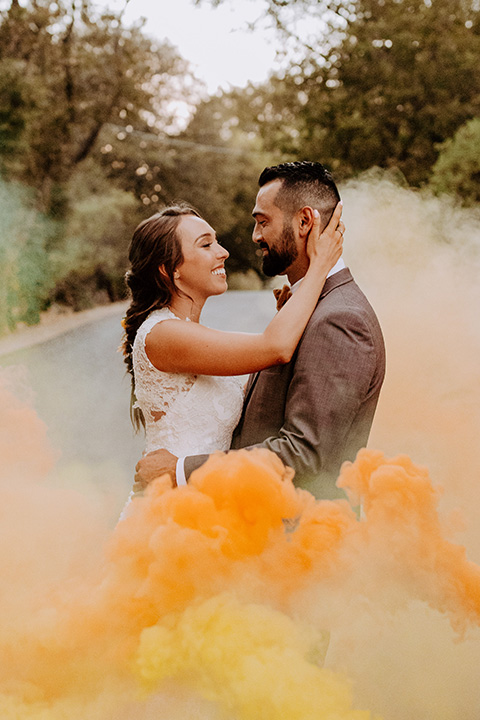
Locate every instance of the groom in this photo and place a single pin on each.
(317, 410)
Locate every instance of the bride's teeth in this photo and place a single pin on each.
(218, 272)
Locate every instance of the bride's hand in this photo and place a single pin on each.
(325, 248)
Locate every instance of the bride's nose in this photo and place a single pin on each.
(223, 252)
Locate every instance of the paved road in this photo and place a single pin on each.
(83, 394)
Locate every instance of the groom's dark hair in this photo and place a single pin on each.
(303, 183)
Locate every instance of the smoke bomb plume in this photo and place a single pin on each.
(239, 596)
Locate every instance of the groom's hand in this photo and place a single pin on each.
(154, 465)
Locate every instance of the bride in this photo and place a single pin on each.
(185, 389)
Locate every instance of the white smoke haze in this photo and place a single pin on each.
(418, 258)
(401, 632)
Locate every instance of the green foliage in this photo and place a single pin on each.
(382, 83)
(457, 170)
(212, 164)
(74, 71)
(13, 105)
(218, 174)
(404, 79)
(25, 277)
(88, 122)
(71, 74)
(89, 261)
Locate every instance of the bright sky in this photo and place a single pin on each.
(217, 43)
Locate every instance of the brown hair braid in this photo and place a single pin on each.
(155, 252)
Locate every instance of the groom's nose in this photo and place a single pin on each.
(256, 234)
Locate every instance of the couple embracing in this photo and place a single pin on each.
(315, 372)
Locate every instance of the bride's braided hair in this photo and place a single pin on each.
(155, 252)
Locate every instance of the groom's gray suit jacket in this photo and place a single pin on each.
(317, 410)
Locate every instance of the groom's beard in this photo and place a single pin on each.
(281, 255)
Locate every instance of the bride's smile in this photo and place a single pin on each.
(202, 272)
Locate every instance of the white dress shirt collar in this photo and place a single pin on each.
(339, 265)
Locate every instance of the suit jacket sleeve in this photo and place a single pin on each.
(192, 462)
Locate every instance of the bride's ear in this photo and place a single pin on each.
(164, 274)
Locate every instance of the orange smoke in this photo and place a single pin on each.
(222, 594)
(221, 598)
(401, 509)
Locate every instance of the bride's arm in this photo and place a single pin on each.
(186, 347)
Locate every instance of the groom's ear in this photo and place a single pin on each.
(305, 221)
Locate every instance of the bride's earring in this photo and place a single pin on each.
(176, 275)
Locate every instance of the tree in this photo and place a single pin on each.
(306, 27)
(457, 169)
(25, 277)
(217, 169)
(13, 107)
(212, 164)
(385, 83)
(73, 70)
(88, 263)
(74, 82)
(405, 78)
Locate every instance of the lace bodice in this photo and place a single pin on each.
(186, 414)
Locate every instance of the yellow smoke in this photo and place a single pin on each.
(246, 657)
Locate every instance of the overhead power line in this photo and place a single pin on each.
(178, 142)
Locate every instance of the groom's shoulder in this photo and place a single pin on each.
(341, 290)
(343, 297)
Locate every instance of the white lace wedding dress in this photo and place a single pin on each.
(185, 414)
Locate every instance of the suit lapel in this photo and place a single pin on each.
(250, 385)
(340, 278)
(334, 281)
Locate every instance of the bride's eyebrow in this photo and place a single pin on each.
(205, 235)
